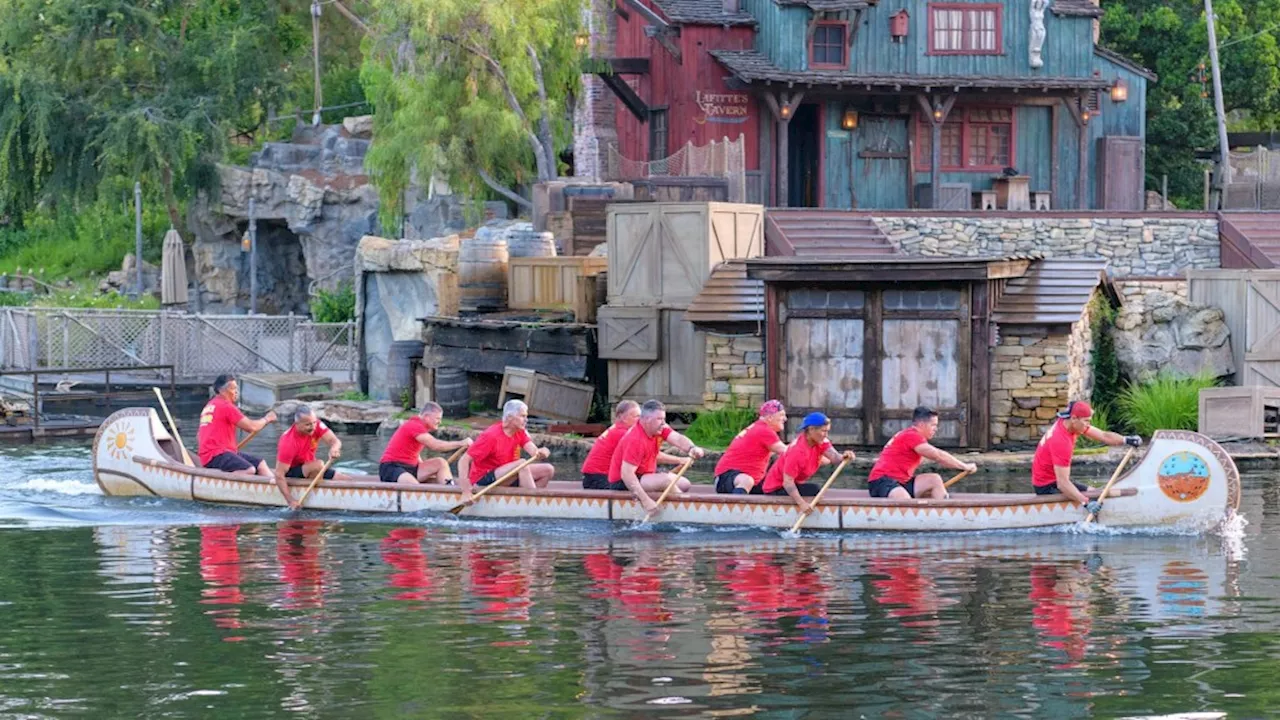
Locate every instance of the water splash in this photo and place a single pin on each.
(59, 487)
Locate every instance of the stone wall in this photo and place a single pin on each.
(595, 112)
(1030, 383)
(1160, 331)
(1080, 351)
(735, 371)
(1160, 246)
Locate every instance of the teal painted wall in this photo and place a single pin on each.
(781, 32)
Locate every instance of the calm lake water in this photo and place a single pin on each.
(154, 608)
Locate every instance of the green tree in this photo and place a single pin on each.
(1170, 37)
(475, 91)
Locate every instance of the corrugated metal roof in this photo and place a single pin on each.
(702, 12)
(1052, 292)
(1124, 62)
(728, 296)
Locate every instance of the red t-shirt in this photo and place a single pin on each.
(749, 452)
(800, 461)
(602, 450)
(217, 433)
(493, 449)
(638, 449)
(1055, 448)
(899, 458)
(404, 447)
(295, 448)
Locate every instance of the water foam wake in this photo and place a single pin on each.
(59, 487)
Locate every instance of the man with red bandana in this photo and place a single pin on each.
(742, 467)
(1051, 466)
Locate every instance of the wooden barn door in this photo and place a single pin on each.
(1121, 174)
(1262, 333)
(823, 360)
(880, 169)
(924, 340)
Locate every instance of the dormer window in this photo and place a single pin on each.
(828, 45)
(965, 29)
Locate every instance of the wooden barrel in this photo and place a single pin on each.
(453, 393)
(482, 272)
(602, 289)
(524, 241)
(400, 370)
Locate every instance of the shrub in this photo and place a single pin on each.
(1108, 381)
(337, 306)
(717, 428)
(1164, 403)
(82, 241)
(1102, 420)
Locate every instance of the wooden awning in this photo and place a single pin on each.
(1052, 292)
(728, 296)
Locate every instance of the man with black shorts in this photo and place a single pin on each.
(1051, 465)
(402, 460)
(296, 451)
(742, 466)
(595, 469)
(894, 474)
(216, 437)
(809, 451)
(496, 452)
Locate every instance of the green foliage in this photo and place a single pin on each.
(1108, 380)
(335, 306)
(1164, 403)
(1171, 38)
(464, 88)
(14, 299)
(1102, 420)
(82, 241)
(717, 428)
(102, 301)
(353, 396)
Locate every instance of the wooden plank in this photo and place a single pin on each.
(495, 361)
(979, 404)
(560, 399)
(548, 283)
(873, 334)
(685, 358)
(772, 339)
(542, 339)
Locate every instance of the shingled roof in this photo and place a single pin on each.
(751, 66)
(728, 296)
(1076, 8)
(1124, 62)
(1052, 292)
(702, 12)
(829, 5)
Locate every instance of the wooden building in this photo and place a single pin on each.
(891, 104)
(995, 345)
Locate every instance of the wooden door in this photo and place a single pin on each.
(880, 169)
(923, 360)
(1121, 174)
(676, 375)
(1262, 333)
(823, 365)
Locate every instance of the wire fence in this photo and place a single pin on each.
(199, 347)
(724, 159)
(1253, 180)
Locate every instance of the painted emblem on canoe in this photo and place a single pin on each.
(1183, 476)
(120, 438)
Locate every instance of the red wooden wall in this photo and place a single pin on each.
(681, 87)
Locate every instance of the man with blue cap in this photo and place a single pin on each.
(810, 450)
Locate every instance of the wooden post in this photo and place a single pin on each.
(1055, 162)
(783, 108)
(935, 111)
(1075, 106)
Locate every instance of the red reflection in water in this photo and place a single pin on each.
(1056, 614)
(905, 591)
(770, 588)
(301, 570)
(402, 550)
(638, 588)
(220, 569)
(500, 582)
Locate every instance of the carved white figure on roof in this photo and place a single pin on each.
(1037, 31)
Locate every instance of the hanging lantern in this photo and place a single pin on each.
(849, 120)
(1119, 91)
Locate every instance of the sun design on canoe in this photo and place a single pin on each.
(120, 440)
(1183, 476)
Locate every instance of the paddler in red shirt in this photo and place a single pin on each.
(595, 469)
(1051, 466)
(497, 451)
(810, 450)
(893, 476)
(742, 467)
(216, 438)
(296, 451)
(635, 463)
(402, 460)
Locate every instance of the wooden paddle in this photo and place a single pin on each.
(247, 438)
(460, 506)
(323, 469)
(456, 454)
(670, 485)
(186, 457)
(955, 479)
(817, 498)
(1114, 476)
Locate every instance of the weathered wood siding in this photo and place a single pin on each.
(1250, 303)
(675, 87)
(781, 32)
(677, 377)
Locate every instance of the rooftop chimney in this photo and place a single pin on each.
(730, 6)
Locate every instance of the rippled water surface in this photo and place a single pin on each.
(156, 608)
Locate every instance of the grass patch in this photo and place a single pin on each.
(79, 242)
(353, 395)
(716, 428)
(1164, 403)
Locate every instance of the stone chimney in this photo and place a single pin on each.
(595, 123)
(1097, 24)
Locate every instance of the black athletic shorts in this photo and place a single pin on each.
(1053, 488)
(806, 490)
(488, 479)
(295, 471)
(234, 462)
(724, 483)
(882, 486)
(390, 472)
(595, 481)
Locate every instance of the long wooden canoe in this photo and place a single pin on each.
(1184, 482)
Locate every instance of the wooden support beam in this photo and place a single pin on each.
(854, 24)
(628, 65)
(783, 109)
(1076, 107)
(649, 16)
(935, 111)
(629, 98)
(659, 29)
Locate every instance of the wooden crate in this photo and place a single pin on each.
(1240, 412)
(548, 283)
(560, 399)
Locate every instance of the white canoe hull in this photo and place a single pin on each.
(1185, 481)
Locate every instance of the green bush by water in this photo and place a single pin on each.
(335, 306)
(1164, 403)
(717, 428)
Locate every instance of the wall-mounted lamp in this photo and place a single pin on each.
(937, 114)
(849, 120)
(785, 111)
(246, 243)
(1085, 116)
(1119, 91)
(581, 40)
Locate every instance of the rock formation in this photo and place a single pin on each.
(1165, 332)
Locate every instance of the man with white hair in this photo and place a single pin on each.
(497, 451)
(296, 451)
(635, 463)
(402, 460)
